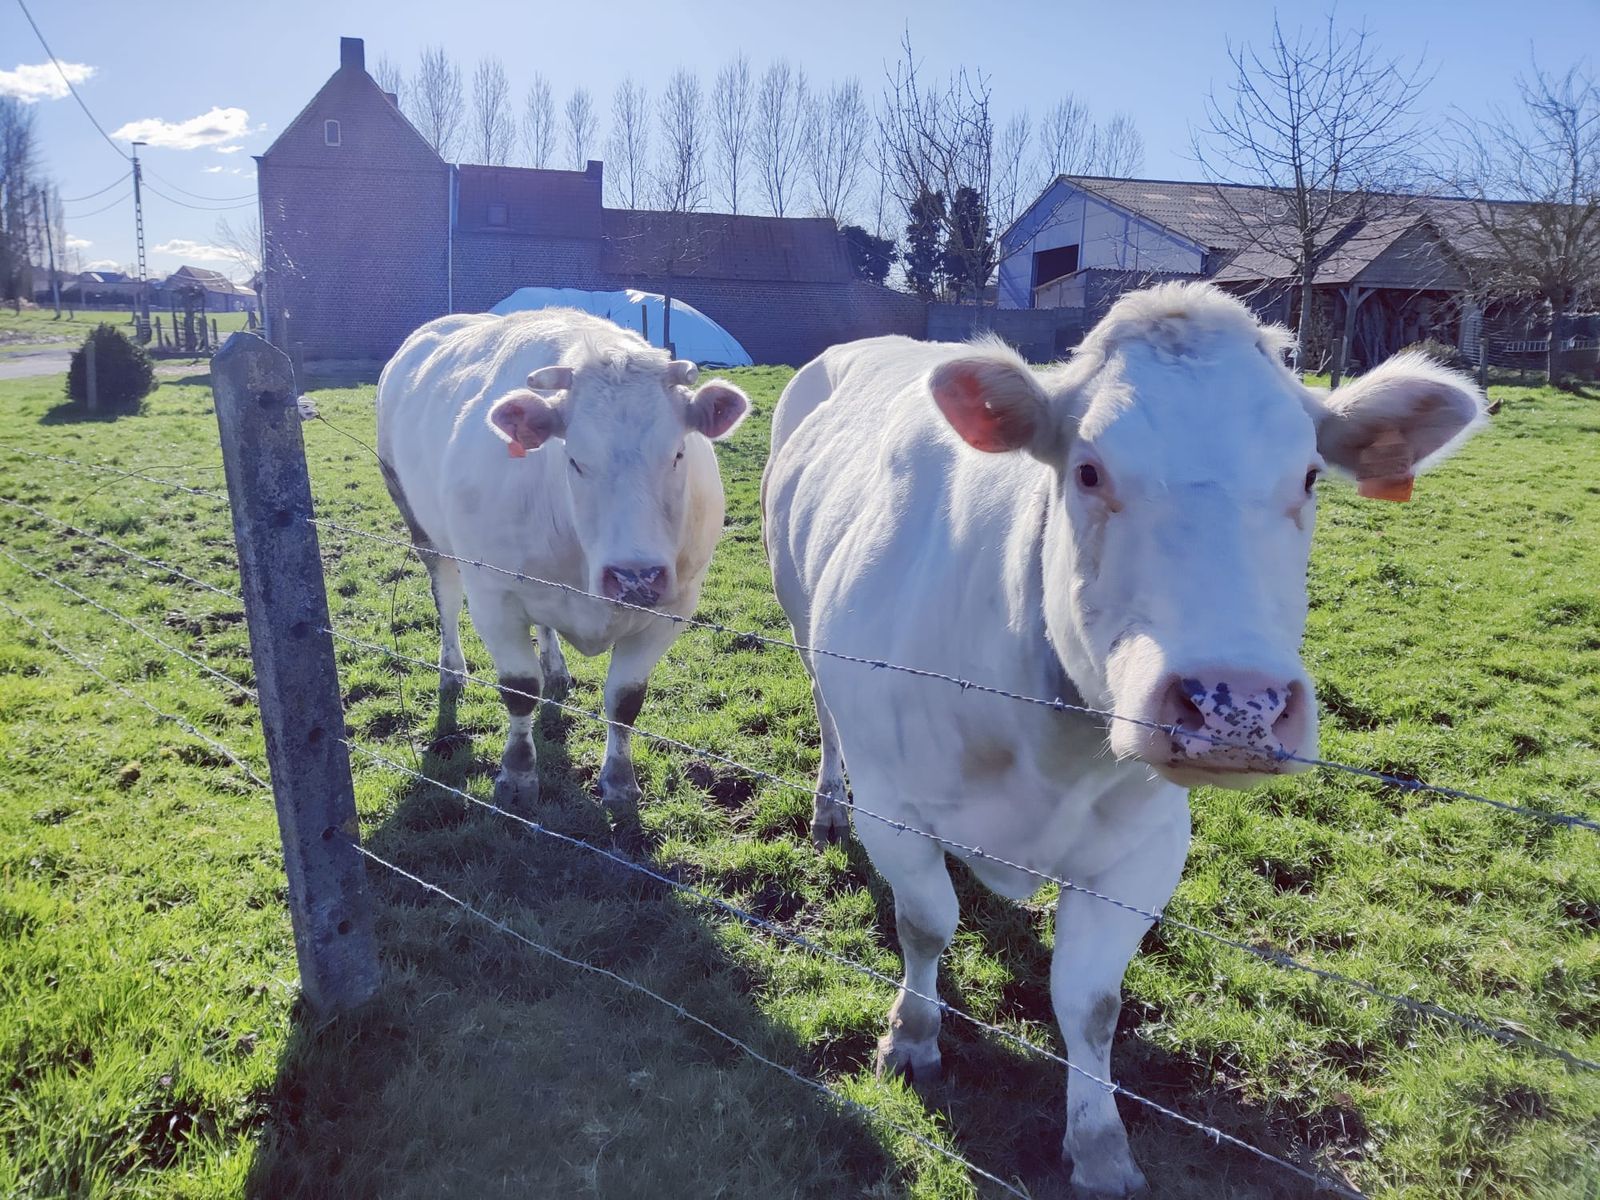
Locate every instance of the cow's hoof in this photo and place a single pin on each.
(516, 790)
(451, 686)
(622, 796)
(830, 819)
(557, 684)
(902, 1058)
(1107, 1175)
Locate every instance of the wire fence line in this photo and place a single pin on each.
(1058, 705)
(135, 626)
(737, 1042)
(187, 726)
(798, 939)
(1503, 1034)
(123, 550)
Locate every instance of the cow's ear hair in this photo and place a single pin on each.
(549, 380)
(1396, 420)
(524, 420)
(994, 402)
(717, 408)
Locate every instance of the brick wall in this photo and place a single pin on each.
(1038, 334)
(356, 253)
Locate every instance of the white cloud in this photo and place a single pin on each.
(74, 242)
(229, 149)
(212, 170)
(101, 264)
(218, 125)
(184, 248)
(32, 82)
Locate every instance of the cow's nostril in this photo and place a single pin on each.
(634, 585)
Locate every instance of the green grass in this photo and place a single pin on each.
(154, 1046)
(33, 329)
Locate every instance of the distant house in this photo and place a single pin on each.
(1388, 282)
(93, 289)
(221, 293)
(369, 234)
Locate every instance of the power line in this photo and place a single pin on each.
(62, 72)
(122, 199)
(213, 199)
(92, 195)
(197, 207)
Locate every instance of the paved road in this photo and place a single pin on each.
(26, 364)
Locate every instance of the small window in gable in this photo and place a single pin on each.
(330, 133)
(497, 215)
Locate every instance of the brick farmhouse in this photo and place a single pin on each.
(368, 234)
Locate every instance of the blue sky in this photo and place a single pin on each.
(246, 70)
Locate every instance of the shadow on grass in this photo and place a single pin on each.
(487, 1069)
(70, 412)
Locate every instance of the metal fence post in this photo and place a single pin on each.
(286, 603)
(1483, 362)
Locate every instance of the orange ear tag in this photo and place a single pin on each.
(516, 450)
(1384, 472)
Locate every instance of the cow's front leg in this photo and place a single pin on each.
(830, 821)
(1094, 943)
(557, 679)
(925, 914)
(627, 678)
(502, 623)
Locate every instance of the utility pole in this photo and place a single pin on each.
(55, 280)
(138, 233)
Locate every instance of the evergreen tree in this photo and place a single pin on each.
(925, 256)
(870, 256)
(969, 250)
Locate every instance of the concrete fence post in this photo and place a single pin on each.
(1483, 362)
(91, 378)
(1337, 373)
(302, 714)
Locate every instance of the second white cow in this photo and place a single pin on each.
(1130, 530)
(556, 445)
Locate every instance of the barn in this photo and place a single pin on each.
(369, 233)
(1385, 283)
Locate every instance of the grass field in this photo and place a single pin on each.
(149, 1029)
(35, 327)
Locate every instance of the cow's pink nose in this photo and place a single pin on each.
(1241, 721)
(634, 584)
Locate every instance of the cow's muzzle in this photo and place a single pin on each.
(643, 585)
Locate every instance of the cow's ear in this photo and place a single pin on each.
(524, 420)
(1394, 421)
(993, 401)
(717, 409)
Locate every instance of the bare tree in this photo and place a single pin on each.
(539, 122)
(629, 145)
(731, 100)
(938, 142)
(839, 126)
(1118, 148)
(437, 103)
(19, 178)
(681, 173)
(1014, 181)
(780, 133)
(1326, 128)
(494, 128)
(1067, 138)
(580, 126)
(388, 77)
(242, 243)
(1545, 159)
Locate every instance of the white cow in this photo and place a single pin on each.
(1135, 538)
(560, 446)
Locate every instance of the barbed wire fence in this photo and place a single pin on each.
(308, 752)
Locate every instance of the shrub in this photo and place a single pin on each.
(123, 374)
(1440, 352)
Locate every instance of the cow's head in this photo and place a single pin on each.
(620, 425)
(1186, 460)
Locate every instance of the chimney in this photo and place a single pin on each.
(352, 53)
(594, 169)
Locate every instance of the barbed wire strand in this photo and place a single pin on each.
(968, 685)
(1553, 817)
(135, 626)
(798, 939)
(123, 550)
(1277, 958)
(183, 724)
(124, 472)
(733, 1040)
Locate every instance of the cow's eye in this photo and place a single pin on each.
(1088, 476)
(573, 463)
(679, 459)
(1311, 479)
